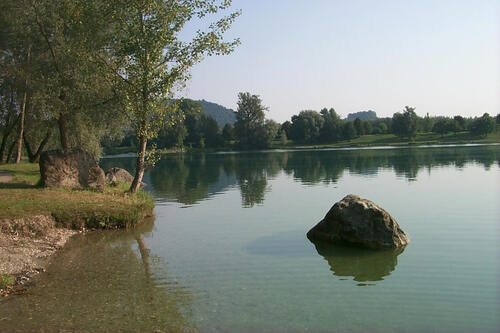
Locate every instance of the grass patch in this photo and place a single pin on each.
(6, 280)
(393, 140)
(24, 173)
(71, 208)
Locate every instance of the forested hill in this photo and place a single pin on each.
(222, 115)
(363, 115)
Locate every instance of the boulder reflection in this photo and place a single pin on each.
(120, 286)
(361, 264)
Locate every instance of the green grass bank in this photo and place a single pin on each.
(71, 208)
(378, 140)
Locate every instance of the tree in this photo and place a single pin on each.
(443, 126)
(192, 112)
(228, 132)
(250, 119)
(367, 127)
(459, 123)
(382, 128)
(348, 130)
(271, 129)
(306, 126)
(331, 129)
(152, 59)
(405, 124)
(210, 132)
(483, 126)
(48, 54)
(358, 125)
(286, 127)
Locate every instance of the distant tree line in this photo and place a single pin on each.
(194, 129)
(326, 126)
(253, 131)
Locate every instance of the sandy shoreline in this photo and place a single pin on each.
(26, 245)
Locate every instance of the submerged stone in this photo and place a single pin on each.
(358, 221)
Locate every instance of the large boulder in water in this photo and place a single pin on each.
(70, 168)
(358, 221)
(119, 175)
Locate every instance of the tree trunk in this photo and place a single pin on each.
(11, 150)
(23, 113)
(21, 128)
(41, 147)
(139, 172)
(8, 128)
(28, 148)
(63, 132)
(4, 143)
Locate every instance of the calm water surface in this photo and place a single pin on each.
(228, 252)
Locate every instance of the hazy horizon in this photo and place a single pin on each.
(440, 57)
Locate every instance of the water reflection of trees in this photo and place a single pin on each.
(361, 264)
(190, 178)
(103, 282)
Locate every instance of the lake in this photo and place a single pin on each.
(228, 251)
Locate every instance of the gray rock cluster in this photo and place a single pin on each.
(358, 221)
(78, 169)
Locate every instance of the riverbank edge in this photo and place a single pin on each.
(26, 247)
(36, 222)
(320, 146)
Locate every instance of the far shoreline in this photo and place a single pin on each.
(331, 147)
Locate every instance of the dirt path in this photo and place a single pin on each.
(5, 177)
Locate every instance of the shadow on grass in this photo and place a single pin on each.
(17, 185)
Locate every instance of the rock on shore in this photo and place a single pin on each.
(72, 168)
(358, 221)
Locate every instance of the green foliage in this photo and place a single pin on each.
(154, 59)
(251, 128)
(459, 123)
(331, 130)
(382, 128)
(228, 133)
(443, 126)
(151, 60)
(287, 128)
(483, 126)
(405, 124)
(306, 126)
(358, 125)
(64, 84)
(6, 280)
(367, 127)
(269, 132)
(348, 130)
(427, 124)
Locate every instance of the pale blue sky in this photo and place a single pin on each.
(441, 56)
